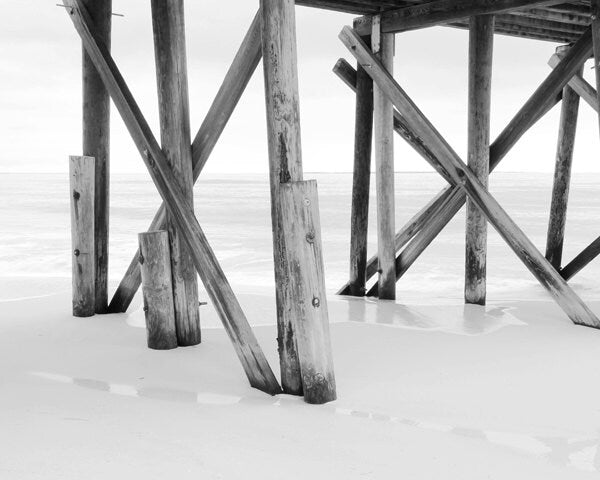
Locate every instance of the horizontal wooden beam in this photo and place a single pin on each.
(462, 176)
(440, 12)
(255, 364)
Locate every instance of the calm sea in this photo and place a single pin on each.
(235, 215)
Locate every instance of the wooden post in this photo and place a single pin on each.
(361, 180)
(81, 174)
(285, 162)
(96, 143)
(299, 202)
(481, 45)
(157, 289)
(171, 71)
(562, 176)
(383, 46)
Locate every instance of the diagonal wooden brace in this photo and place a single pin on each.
(462, 176)
(245, 344)
(234, 84)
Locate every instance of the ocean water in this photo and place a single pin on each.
(234, 212)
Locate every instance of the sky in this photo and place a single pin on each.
(40, 94)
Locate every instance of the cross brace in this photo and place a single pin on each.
(464, 179)
(424, 226)
(236, 325)
(234, 84)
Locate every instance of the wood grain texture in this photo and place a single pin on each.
(82, 175)
(241, 70)
(173, 105)
(573, 306)
(583, 259)
(562, 176)
(301, 228)
(439, 12)
(157, 289)
(96, 143)
(251, 356)
(579, 85)
(285, 162)
(361, 182)
(481, 47)
(383, 119)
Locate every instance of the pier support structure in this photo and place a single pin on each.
(481, 46)
(382, 45)
(96, 143)
(306, 371)
(171, 72)
(562, 174)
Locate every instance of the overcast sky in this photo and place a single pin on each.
(40, 94)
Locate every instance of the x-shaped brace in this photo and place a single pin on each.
(245, 344)
(466, 183)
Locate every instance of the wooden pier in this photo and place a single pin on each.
(383, 109)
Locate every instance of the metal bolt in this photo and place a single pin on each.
(76, 195)
(316, 302)
(310, 237)
(76, 252)
(306, 201)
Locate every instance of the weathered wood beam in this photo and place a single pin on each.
(442, 11)
(361, 181)
(481, 46)
(228, 308)
(173, 105)
(582, 260)
(579, 85)
(239, 74)
(562, 17)
(285, 162)
(81, 181)
(157, 288)
(96, 143)
(383, 119)
(299, 202)
(562, 176)
(573, 306)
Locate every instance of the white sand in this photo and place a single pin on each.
(434, 392)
